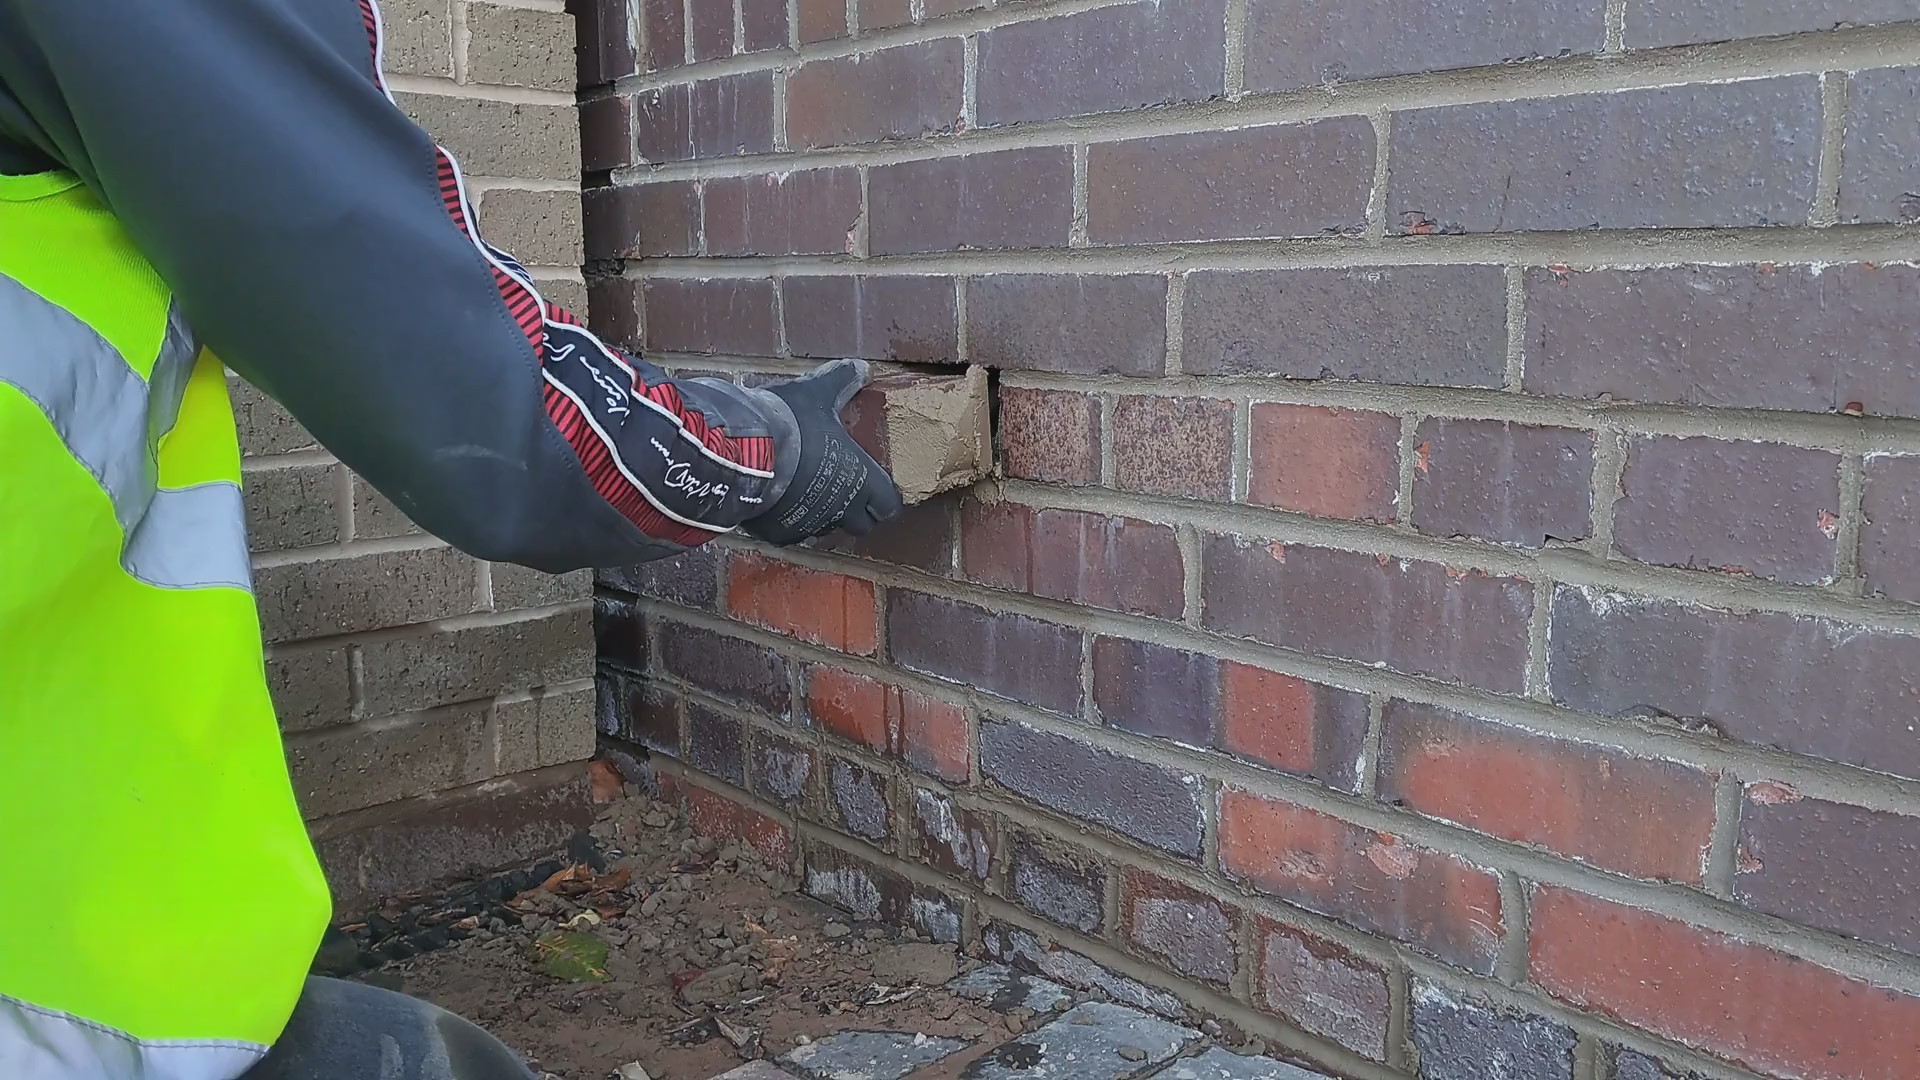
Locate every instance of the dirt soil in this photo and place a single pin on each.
(710, 959)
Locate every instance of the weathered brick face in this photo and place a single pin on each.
(1449, 582)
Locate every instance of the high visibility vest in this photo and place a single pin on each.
(160, 902)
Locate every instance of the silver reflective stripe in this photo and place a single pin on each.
(111, 421)
(189, 539)
(41, 1044)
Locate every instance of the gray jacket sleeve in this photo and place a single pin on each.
(324, 248)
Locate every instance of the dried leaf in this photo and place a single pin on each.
(575, 957)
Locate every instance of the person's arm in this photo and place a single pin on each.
(326, 250)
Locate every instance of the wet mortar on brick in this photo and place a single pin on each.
(715, 961)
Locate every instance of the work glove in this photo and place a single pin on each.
(835, 484)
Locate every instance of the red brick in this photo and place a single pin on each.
(1083, 325)
(882, 14)
(1181, 447)
(1650, 819)
(1764, 337)
(1377, 882)
(1293, 44)
(813, 605)
(640, 221)
(712, 28)
(911, 320)
(1322, 988)
(1287, 180)
(1015, 656)
(812, 212)
(1293, 725)
(1187, 930)
(1890, 529)
(729, 667)
(1338, 463)
(1653, 24)
(1005, 200)
(606, 133)
(1447, 325)
(928, 734)
(1052, 436)
(1108, 562)
(1753, 678)
(1150, 803)
(1127, 56)
(1756, 509)
(1794, 850)
(712, 315)
(1417, 617)
(1629, 159)
(764, 23)
(951, 838)
(719, 117)
(898, 93)
(1509, 483)
(821, 20)
(663, 34)
(1769, 1011)
(713, 814)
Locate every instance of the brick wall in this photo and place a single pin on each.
(436, 707)
(1449, 607)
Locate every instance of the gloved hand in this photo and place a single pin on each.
(835, 484)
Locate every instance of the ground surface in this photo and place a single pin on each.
(684, 959)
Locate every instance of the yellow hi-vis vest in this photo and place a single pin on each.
(159, 899)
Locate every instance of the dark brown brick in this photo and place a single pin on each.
(663, 42)
(1085, 325)
(821, 20)
(1758, 509)
(606, 48)
(1630, 159)
(1293, 725)
(1634, 1065)
(719, 117)
(1418, 617)
(1882, 150)
(1152, 690)
(1890, 531)
(1462, 1037)
(638, 711)
(1753, 678)
(1069, 889)
(1339, 463)
(1188, 930)
(606, 133)
(922, 538)
(858, 800)
(1375, 881)
(1181, 447)
(1411, 326)
(1644, 818)
(690, 579)
(811, 212)
(620, 631)
(1656, 22)
(764, 23)
(1108, 562)
(1052, 436)
(729, 667)
(1509, 483)
(640, 221)
(952, 838)
(899, 93)
(712, 315)
(1298, 43)
(716, 744)
(1010, 199)
(937, 8)
(1023, 658)
(712, 28)
(783, 771)
(1765, 337)
(874, 894)
(614, 311)
(908, 319)
(1795, 854)
(1127, 56)
(1150, 803)
(881, 14)
(1322, 988)
(1287, 180)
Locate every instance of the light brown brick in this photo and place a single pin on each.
(509, 46)
(418, 37)
(539, 228)
(519, 587)
(375, 517)
(421, 672)
(348, 768)
(502, 138)
(545, 729)
(348, 594)
(292, 508)
(311, 688)
(265, 427)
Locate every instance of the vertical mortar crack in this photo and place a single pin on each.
(969, 80)
(1409, 458)
(1723, 846)
(1615, 39)
(1188, 539)
(1369, 771)
(1236, 64)
(1242, 480)
(1852, 521)
(1107, 468)
(1516, 328)
(1376, 221)
(1539, 631)
(1834, 96)
(780, 132)
(1077, 232)
(739, 27)
(963, 347)
(1512, 966)
(1609, 472)
(1176, 321)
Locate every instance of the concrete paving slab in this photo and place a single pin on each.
(869, 1055)
(1003, 988)
(1093, 1041)
(1219, 1064)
